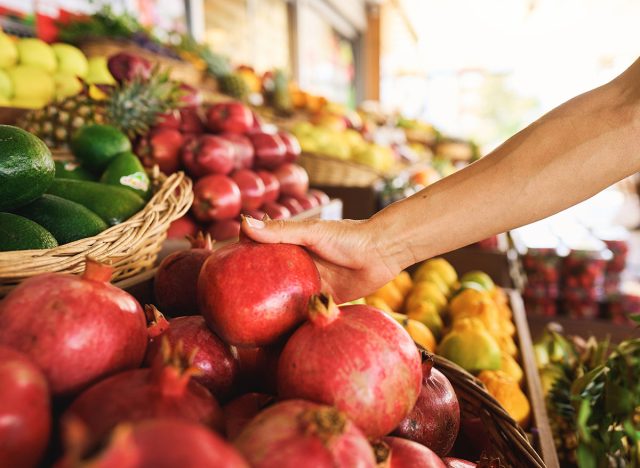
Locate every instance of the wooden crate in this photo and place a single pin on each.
(542, 437)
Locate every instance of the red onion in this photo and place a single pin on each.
(356, 358)
(25, 414)
(77, 329)
(300, 433)
(435, 419)
(175, 281)
(252, 294)
(215, 360)
(165, 390)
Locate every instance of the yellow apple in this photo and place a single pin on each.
(36, 53)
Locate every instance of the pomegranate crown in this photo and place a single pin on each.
(157, 324)
(97, 271)
(322, 310)
(201, 241)
(325, 422)
(173, 367)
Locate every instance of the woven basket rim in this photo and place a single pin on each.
(515, 447)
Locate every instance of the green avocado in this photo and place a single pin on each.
(126, 170)
(18, 233)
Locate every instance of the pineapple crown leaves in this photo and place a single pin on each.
(135, 106)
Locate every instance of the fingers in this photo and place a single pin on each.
(278, 231)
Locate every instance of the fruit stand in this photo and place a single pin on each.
(148, 329)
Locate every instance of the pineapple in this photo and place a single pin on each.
(133, 107)
(234, 85)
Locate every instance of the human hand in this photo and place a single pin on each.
(350, 255)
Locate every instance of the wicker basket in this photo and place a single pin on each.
(180, 71)
(131, 246)
(510, 443)
(328, 171)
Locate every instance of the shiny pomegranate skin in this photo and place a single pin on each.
(77, 329)
(298, 433)
(252, 294)
(271, 186)
(224, 229)
(25, 413)
(216, 360)
(406, 453)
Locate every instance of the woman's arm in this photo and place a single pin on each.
(568, 155)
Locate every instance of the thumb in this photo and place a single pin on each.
(278, 231)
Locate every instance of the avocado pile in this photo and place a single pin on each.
(44, 203)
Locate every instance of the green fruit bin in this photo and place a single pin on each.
(131, 246)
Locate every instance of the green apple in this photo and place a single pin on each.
(71, 60)
(98, 72)
(6, 86)
(31, 83)
(66, 84)
(36, 53)
(8, 51)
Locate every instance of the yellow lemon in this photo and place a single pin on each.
(390, 294)
(508, 393)
(440, 266)
(426, 292)
(471, 346)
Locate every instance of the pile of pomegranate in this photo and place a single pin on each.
(251, 367)
(239, 166)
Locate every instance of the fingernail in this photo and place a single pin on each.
(254, 223)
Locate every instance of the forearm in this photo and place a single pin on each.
(568, 155)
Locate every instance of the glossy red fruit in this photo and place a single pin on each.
(77, 329)
(276, 210)
(167, 390)
(434, 421)
(243, 150)
(216, 197)
(405, 453)
(269, 149)
(190, 121)
(169, 119)
(124, 67)
(231, 117)
(292, 145)
(189, 96)
(208, 154)
(294, 180)
(328, 358)
(271, 186)
(321, 197)
(160, 442)
(25, 413)
(451, 462)
(307, 201)
(255, 214)
(291, 204)
(215, 360)
(300, 433)
(252, 294)
(240, 411)
(162, 147)
(251, 188)
(175, 280)
(182, 227)
(224, 229)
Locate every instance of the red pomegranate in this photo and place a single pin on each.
(190, 121)
(216, 197)
(160, 442)
(243, 150)
(276, 210)
(458, 463)
(255, 214)
(271, 186)
(182, 227)
(321, 197)
(125, 67)
(251, 188)
(167, 389)
(240, 411)
(435, 419)
(308, 201)
(77, 329)
(162, 147)
(25, 414)
(215, 360)
(300, 433)
(176, 278)
(292, 145)
(269, 149)
(294, 180)
(224, 229)
(229, 117)
(291, 204)
(208, 154)
(403, 453)
(327, 360)
(252, 294)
